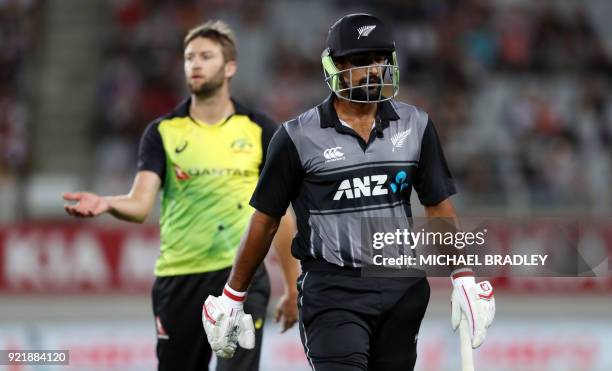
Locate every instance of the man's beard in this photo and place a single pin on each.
(361, 93)
(208, 88)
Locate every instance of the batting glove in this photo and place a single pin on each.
(225, 323)
(475, 301)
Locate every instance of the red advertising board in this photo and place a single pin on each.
(68, 258)
(77, 257)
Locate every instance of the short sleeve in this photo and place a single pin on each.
(151, 154)
(433, 181)
(268, 128)
(281, 177)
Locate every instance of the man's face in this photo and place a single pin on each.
(205, 69)
(369, 72)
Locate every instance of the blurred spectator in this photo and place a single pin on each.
(13, 136)
(515, 38)
(17, 30)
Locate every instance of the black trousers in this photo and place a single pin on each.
(350, 323)
(177, 307)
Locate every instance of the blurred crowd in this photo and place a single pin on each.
(521, 96)
(17, 37)
(519, 90)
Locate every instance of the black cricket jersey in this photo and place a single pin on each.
(333, 178)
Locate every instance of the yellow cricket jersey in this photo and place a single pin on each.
(208, 173)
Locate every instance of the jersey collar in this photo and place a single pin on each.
(182, 109)
(329, 118)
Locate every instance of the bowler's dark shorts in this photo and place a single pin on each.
(350, 323)
(177, 307)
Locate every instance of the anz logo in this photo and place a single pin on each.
(371, 185)
(400, 182)
(362, 187)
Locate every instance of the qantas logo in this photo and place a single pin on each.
(362, 187)
(196, 172)
(180, 173)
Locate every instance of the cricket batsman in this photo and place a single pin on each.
(356, 155)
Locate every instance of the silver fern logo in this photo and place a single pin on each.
(365, 31)
(398, 139)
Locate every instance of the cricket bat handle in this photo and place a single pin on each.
(467, 357)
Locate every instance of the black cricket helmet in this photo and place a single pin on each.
(357, 37)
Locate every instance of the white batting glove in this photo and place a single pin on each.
(475, 301)
(225, 323)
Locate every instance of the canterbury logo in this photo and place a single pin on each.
(398, 139)
(365, 31)
(333, 154)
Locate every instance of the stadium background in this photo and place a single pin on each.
(520, 92)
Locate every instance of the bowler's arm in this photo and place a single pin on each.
(139, 202)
